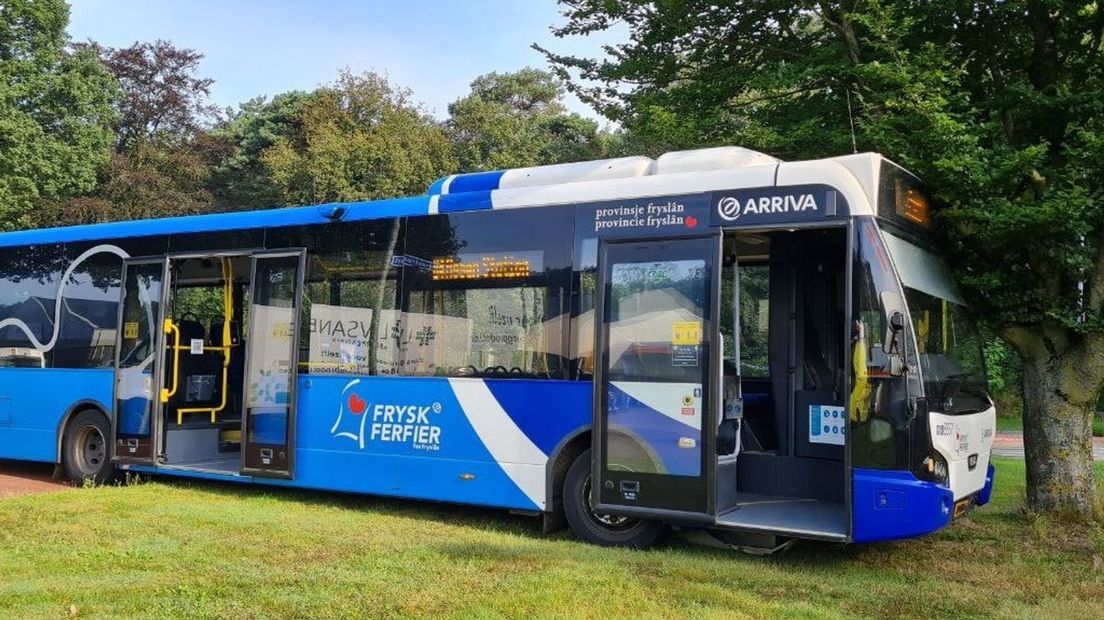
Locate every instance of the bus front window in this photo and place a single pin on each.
(948, 345)
(949, 349)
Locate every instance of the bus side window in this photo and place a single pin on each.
(486, 295)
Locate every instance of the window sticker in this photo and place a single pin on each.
(685, 355)
(686, 332)
(827, 424)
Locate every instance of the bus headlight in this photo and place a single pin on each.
(936, 468)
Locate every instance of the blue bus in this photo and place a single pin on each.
(714, 340)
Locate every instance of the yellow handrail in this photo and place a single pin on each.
(171, 327)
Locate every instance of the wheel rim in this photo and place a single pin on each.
(605, 521)
(91, 450)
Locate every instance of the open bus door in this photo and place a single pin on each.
(268, 421)
(655, 402)
(138, 345)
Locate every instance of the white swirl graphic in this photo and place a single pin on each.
(59, 298)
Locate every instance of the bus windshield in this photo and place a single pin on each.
(948, 344)
(949, 349)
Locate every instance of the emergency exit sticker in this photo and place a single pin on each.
(686, 332)
(827, 424)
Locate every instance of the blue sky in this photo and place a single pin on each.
(433, 47)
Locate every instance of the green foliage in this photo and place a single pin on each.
(514, 120)
(55, 110)
(159, 165)
(239, 177)
(360, 138)
(152, 180)
(1002, 366)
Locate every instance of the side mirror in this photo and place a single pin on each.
(897, 322)
(896, 344)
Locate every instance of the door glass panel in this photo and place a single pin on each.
(270, 381)
(656, 360)
(134, 378)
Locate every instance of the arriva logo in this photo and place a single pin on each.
(410, 424)
(731, 208)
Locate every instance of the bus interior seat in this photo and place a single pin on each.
(216, 332)
(198, 373)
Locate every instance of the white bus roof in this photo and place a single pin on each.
(679, 172)
(855, 177)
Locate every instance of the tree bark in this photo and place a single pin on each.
(1060, 393)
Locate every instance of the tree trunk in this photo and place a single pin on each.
(1060, 395)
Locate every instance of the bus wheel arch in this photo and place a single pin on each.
(604, 530)
(85, 452)
(74, 409)
(563, 455)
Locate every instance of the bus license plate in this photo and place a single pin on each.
(962, 506)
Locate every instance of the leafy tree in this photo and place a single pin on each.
(357, 139)
(55, 110)
(512, 120)
(152, 180)
(997, 104)
(159, 166)
(240, 179)
(163, 99)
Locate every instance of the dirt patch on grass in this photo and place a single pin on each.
(25, 478)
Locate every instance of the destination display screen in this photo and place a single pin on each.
(902, 199)
(485, 266)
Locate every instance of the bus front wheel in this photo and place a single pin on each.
(601, 529)
(86, 451)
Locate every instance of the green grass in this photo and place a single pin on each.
(1015, 424)
(181, 549)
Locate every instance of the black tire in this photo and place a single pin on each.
(603, 530)
(86, 449)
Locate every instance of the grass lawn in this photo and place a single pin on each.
(1005, 424)
(1013, 423)
(175, 548)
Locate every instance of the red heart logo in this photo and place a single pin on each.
(691, 221)
(357, 404)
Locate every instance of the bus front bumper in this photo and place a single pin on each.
(889, 505)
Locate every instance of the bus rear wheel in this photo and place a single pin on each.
(601, 529)
(86, 451)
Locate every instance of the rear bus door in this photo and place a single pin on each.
(654, 394)
(138, 358)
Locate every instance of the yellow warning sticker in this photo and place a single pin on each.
(686, 332)
(281, 331)
(130, 330)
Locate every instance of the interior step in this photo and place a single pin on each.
(798, 516)
(229, 464)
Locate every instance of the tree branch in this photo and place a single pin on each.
(840, 24)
